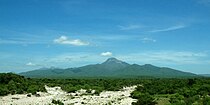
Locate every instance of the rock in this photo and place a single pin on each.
(37, 95)
(15, 98)
(28, 95)
(116, 97)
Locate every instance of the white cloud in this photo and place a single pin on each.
(169, 28)
(65, 40)
(166, 57)
(30, 64)
(106, 54)
(130, 27)
(145, 40)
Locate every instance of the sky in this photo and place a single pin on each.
(72, 33)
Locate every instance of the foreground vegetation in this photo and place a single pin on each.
(173, 91)
(14, 84)
(151, 91)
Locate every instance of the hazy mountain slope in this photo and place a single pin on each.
(112, 67)
(205, 75)
(105, 69)
(47, 72)
(150, 70)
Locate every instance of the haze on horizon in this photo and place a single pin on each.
(72, 33)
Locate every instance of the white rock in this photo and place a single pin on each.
(114, 97)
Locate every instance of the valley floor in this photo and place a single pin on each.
(79, 97)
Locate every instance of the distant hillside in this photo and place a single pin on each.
(205, 75)
(112, 67)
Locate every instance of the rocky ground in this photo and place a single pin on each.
(79, 97)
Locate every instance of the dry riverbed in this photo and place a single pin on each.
(79, 97)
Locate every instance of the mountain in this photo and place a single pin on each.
(112, 67)
(153, 71)
(114, 63)
(205, 75)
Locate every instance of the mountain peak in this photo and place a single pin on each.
(148, 65)
(112, 60)
(114, 64)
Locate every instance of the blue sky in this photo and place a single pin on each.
(72, 33)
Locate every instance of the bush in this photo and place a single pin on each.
(177, 99)
(57, 102)
(69, 88)
(144, 99)
(32, 89)
(206, 100)
(3, 91)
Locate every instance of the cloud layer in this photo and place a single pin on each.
(30, 64)
(146, 40)
(106, 54)
(75, 42)
(130, 27)
(169, 28)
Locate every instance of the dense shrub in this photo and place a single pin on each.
(143, 99)
(180, 91)
(14, 84)
(57, 102)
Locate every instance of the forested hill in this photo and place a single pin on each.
(112, 67)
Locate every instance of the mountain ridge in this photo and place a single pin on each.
(112, 67)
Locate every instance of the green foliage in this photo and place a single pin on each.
(14, 84)
(32, 89)
(57, 102)
(176, 91)
(179, 91)
(5, 78)
(3, 90)
(177, 99)
(206, 100)
(143, 99)
(69, 88)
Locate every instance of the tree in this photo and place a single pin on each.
(3, 90)
(144, 99)
(206, 100)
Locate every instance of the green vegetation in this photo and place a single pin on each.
(175, 91)
(71, 85)
(57, 102)
(168, 91)
(14, 84)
